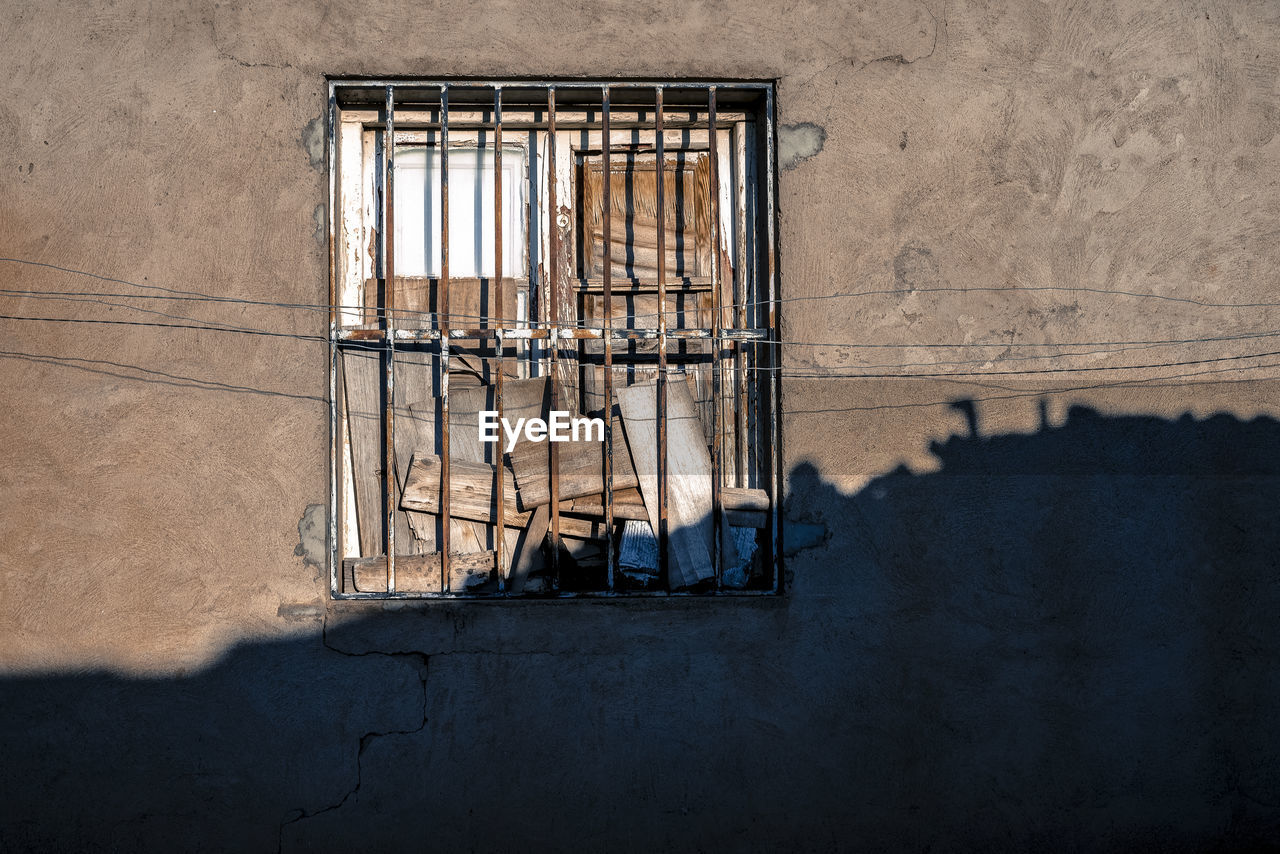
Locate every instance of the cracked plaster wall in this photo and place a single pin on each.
(973, 173)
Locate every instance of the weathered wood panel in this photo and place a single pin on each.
(362, 387)
(581, 468)
(420, 573)
(520, 399)
(633, 199)
(562, 305)
(689, 529)
(472, 301)
(417, 383)
(528, 556)
(472, 490)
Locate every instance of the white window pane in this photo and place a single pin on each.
(417, 213)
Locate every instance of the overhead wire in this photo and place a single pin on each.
(802, 371)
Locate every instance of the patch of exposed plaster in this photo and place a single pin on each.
(301, 612)
(317, 218)
(797, 143)
(915, 268)
(312, 141)
(312, 538)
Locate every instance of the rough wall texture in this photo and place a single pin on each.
(1015, 625)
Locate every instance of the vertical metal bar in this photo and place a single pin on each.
(500, 531)
(716, 550)
(389, 351)
(775, 349)
(740, 289)
(443, 309)
(608, 333)
(664, 569)
(335, 446)
(554, 343)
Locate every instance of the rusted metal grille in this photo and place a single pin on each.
(417, 508)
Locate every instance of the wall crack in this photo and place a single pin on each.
(301, 813)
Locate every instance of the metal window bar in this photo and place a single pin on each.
(443, 309)
(664, 558)
(389, 351)
(717, 556)
(553, 328)
(607, 217)
(499, 528)
(553, 227)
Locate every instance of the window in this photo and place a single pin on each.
(570, 287)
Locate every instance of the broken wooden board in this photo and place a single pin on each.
(746, 519)
(583, 529)
(747, 508)
(520, 399)
(421, 573)
(622, 512)
(689, 529)
(527, 557)
(742, 498)
(362, 387)
(595, 509)
(561, 305)
(581, 467)
(472, 490)
(416, 383)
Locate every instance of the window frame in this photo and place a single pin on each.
(554, 179)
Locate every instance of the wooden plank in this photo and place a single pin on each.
(689, 530)
(362, 383)
(420, 573)
(596, 510)
(685, 310)
(472, 492)
(472, 302)
(583, 529)
(633, 197)
(746, 519)
(737, 518)
(415, 382)
(423, 415)
(581, 469)
(562, 305)
(520, 399)
(528, 553)
(731, 498)
(743, 498)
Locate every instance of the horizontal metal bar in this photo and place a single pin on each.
(591, 334)
(559, 595)
(670, 128)
(516, 83)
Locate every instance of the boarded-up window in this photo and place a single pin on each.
(550, 255)
(634, 220)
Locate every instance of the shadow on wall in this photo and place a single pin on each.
(1062, 640)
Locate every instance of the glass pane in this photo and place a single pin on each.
(417, 214)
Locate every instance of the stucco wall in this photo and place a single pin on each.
(1009, 623)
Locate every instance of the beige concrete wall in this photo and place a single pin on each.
(955, 173)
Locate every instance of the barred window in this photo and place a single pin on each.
(553, 340)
